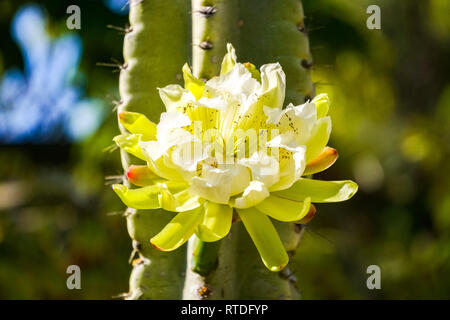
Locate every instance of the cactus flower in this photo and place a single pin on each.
(227, 147)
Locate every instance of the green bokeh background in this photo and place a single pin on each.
(390, 93)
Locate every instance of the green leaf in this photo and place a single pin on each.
(137, 123)
(319, 191)
(178, 230)
(193, 84)
(130, 143)
(284, 209)
(265, 238)
(216, 223)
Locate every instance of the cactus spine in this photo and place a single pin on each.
(158, 44)
(214, 24)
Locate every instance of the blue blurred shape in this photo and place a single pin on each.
(118, 6)
(41, 105)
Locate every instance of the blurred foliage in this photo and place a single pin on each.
(55, 209)
(390, 96)
(391, 110)
(43, 104)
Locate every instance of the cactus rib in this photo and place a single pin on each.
(152, 55)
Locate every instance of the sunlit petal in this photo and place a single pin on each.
(284, 209)
(216, 222)
(323, 161)
(138, 123)
(191, 83)
(130, 143)
(319, 191)
(265, 238)
(178, 230)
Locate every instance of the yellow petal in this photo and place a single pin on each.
(178, 230)
(319, 138)
(138, 123)
(193, 84)
(130, 143)
(323, 161)
(216, 222)
(322, 103)
(319, 191)
(265, 238)
(284, 209)
(229, 60)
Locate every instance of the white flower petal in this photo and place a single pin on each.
(292, 160)
(240, 178)
(236, 82)
(214, 184)
(285, 140)
(299, 120)
(169, 130)
(217, 102)
(264, 168)
(171, 120)
(174, 96)
(273, 114)
(253, 194)
(158, 160)
(187, 155)
(291, 170)
(273, 85)
(152, 149)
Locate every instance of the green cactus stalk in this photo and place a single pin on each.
(158, 44)
(214, 24)
(273, 31)
(155, 47)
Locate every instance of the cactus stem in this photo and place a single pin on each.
(155, 46)
(204, 256)
(212, 28)
(157, 43)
